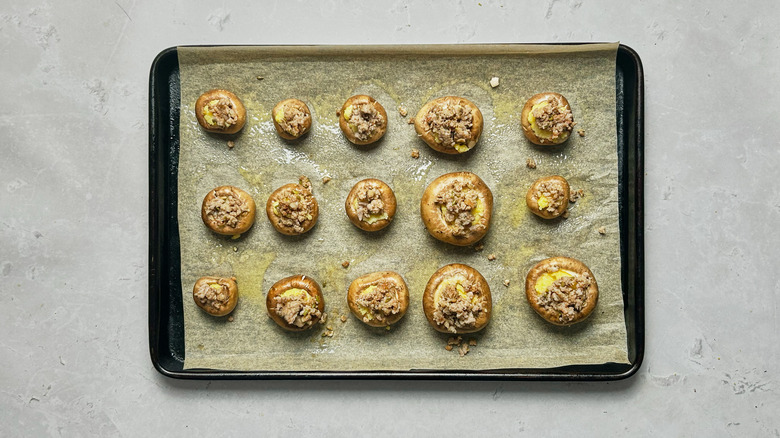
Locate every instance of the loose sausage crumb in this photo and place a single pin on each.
(235, 249)
(402, 111)
(457, 203)
(381, 300)
(602, 231)
(565, 214)
(494, 82)
(554, 117)
(415, 153)
(222, 111)
(461, 345)
(213, 296)
(581, 132)
(260, 78)
(450, 124)
(365, 120)
(479, 247)
(492, 257)
(297, 309)
(506, 282)
(575, 195)
(326, 179)
(323, 318)
(343, 318)
(369, 201)
(295, 206)
(455, 311)
(410, 122)
(230, 144)
(345, 264)
(566, 296)
(230, 318)
(554, 192)
(530, 163)
(227, 209)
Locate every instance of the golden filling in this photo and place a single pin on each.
(220, 113)
(379, 301)
(551, 120)
(457, 304)
(297, 307)
(563, 292)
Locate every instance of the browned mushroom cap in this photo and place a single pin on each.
(562, 290)
(379, 298)
(220, 111)
(228, 210)
(292, 208)
(548, 197)
(456, 208)
(457, 300)
(370, 204)
(216, 295)
(547, 119)
(449, 124)
(295, 303)
(362, 119)
(292, 118)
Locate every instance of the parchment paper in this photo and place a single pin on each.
(324, 77)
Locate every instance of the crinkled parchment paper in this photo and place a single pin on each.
(324, 77)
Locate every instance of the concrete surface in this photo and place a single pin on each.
(74, 355)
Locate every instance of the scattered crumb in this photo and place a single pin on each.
(565, 214)
(330, 328)
(231, 143)
(323, 318)
(325, 179)
(602, 231)
(415, 153)
(448, 347)
(494, 82)
(491, 257)
(345, 264)
(473, 342)
(411, 121)
(506, 282)
(235, 249)
(230, 318)
(387, 327)
(581, 132)
(454, 341)
(61, 361)
(575, 195)
(463, 349)
(260, 78)
(402, 111)
(479, 247)
(530, 163)
(343, 318)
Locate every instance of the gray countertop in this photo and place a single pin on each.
(74, 358)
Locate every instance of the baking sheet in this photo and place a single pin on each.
(260, 162)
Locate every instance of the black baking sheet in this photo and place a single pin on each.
(166, 324)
